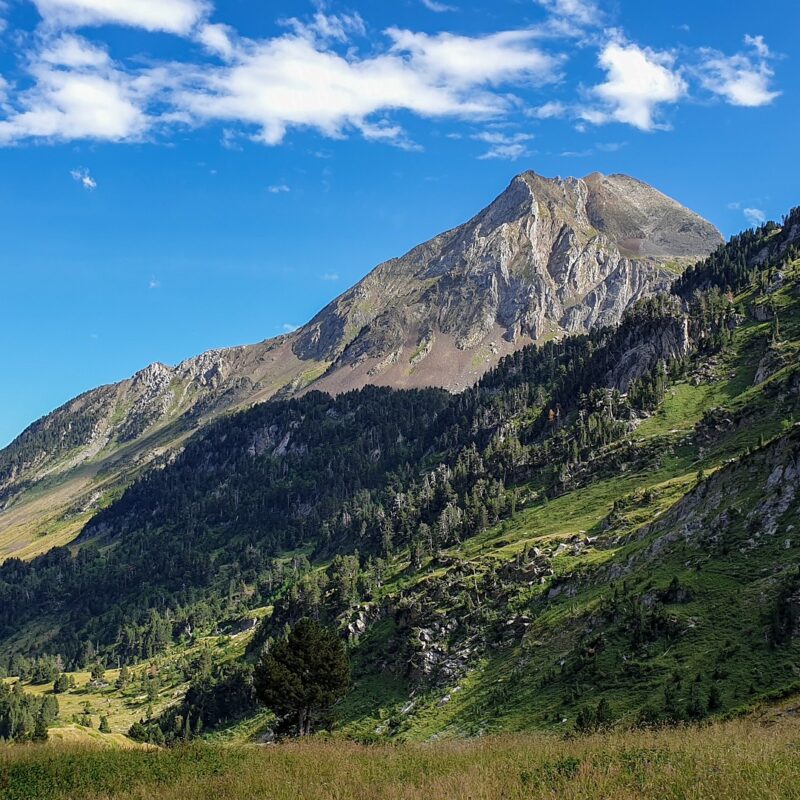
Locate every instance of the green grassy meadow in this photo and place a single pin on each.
(750, 758)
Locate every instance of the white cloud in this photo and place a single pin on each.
(758, 44)
(610, 147)
(324, 27)
(218, 39)
(584, 12)
(639, 80)
(508, 146)
(73, 52)
(297, 81)
(330, 276)
(550, 110)
(154, 283)
(79, 93)
(278, 188)
(437, 7)
(84, 178)
(742, 79)
(600, 147)
(463, 61)
(289, 327)
(755, 216)
(312, 76)
(172, 16)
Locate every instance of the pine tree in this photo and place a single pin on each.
(40, 732)
(302, 677)
(714, 698)
(603, 713)
(123, 678)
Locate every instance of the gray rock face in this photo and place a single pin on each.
(671, 339)
(548, 257)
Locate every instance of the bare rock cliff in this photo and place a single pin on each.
(548, 257)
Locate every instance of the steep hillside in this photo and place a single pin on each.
(546, 258)
(611, 516)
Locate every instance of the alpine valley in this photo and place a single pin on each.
(541, 472)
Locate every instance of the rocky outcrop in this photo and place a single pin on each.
(713, 505)
(771, 362)
(669, 340)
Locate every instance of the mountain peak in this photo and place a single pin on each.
(547, 257)
(641, 221)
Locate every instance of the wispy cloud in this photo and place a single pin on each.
(154, 283)
(279, 188)
(172, 16)
(758, 44)
(437, 7)
(299, 80)
(330, 276)
(315, 74)
(308, 77)
(324, 27)
(84, 178)
(584, 12)
(755, 216)
(218, 39)
(601, 147)
(289, 327)
(742, 79)
(550, 110)
(507, 146)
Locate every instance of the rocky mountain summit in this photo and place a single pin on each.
(546, 258)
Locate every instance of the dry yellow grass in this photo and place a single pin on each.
(725, 761)
(722, 762)
(64, 735)
(32, 528)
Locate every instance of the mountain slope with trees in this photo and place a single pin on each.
(603, 528)
(546, 257)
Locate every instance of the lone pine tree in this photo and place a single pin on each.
(301, 678)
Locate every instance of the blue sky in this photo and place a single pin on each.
(179, 175)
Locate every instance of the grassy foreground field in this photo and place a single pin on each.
(746, 758)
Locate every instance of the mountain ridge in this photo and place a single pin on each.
(528, 267)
